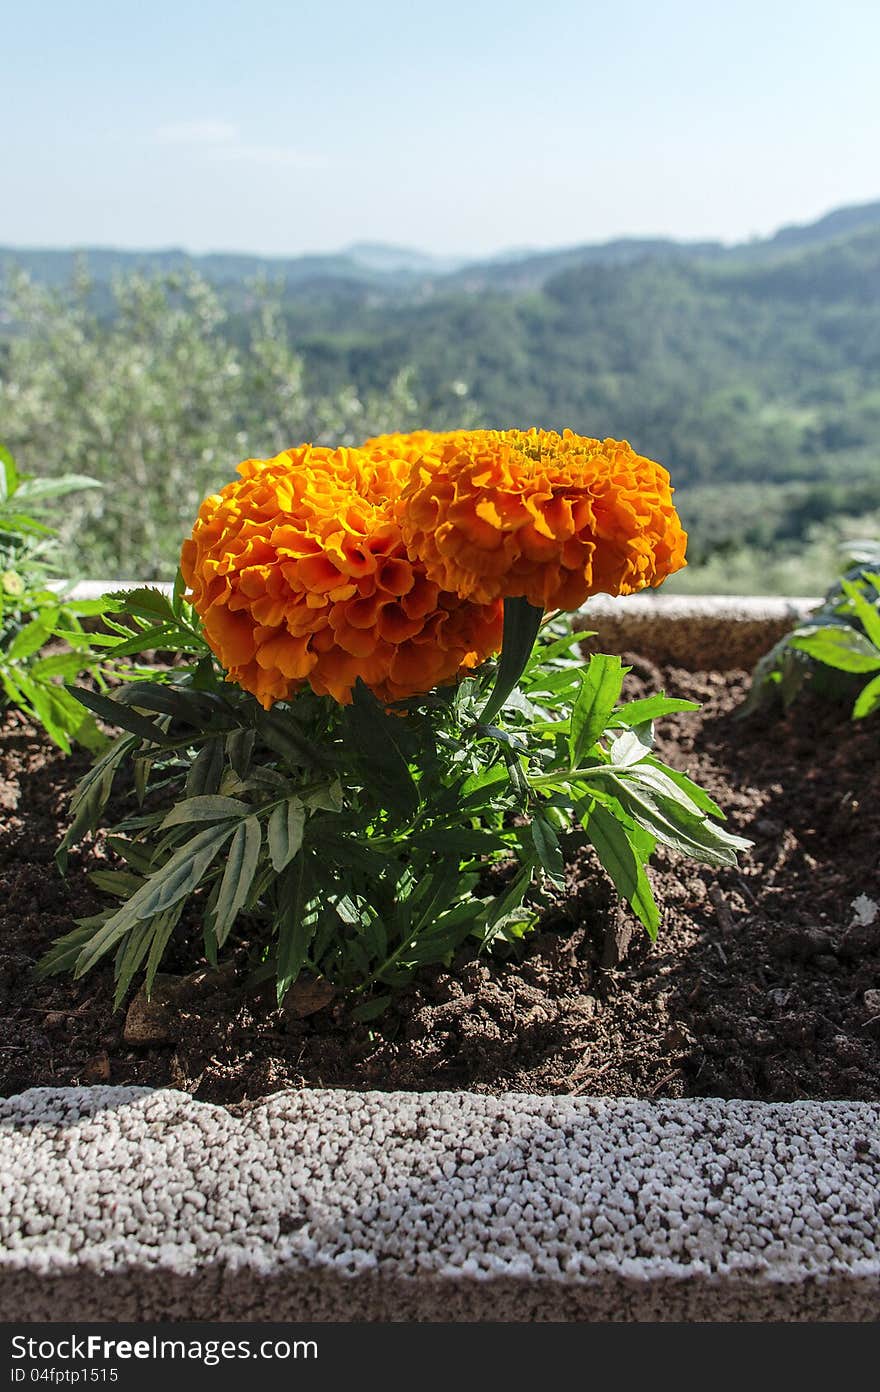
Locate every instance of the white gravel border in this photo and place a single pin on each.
(131, 1204)
(121, 1204)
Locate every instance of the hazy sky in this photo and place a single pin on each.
(464, 126)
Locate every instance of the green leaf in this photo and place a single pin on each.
(66, 664)
(373, 743)
(40, 490)
(546, 653)
(131, 956)
(120, 883)
(177, 593)
(521, 624)
(651, 708)
(132, 854)
(838, 646)
(507, 904)
(329, 798)
(673, 824)
(286, 826)
(239, 749)
(146, 601)
(632, 746)
(598, 695)
(546, 844)
(32, 637)
(697, 795)
(617, 850)
(868, 700)
(207, 808)
(115, 713)
(163, 890)
(62, 955)
(296, 923)
(8, 474)
(90, 796)
(241, 865)
(163, 927)
(866, 612)
(279, 729)
(206, 770)
(435, 892)
(371, 1009)
(166, 636)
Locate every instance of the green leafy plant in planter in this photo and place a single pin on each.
(320, 799)
(834, 650)
(33, 613)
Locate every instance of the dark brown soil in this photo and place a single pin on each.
(757, 987)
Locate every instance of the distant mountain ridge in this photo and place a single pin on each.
(386, 269)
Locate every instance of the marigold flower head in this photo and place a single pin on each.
(299, 573)
(553, 518)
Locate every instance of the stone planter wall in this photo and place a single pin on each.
(127, 1204)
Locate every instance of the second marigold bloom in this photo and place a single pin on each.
(299, 573)
(548, 517)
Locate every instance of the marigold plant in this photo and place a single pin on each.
(337, 760)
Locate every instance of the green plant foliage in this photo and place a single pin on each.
(353, 842)
(750, 371)
(151, 394)
(35, 609)
(835, 649)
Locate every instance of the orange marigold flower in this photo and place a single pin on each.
(299, 573)
(553, 518)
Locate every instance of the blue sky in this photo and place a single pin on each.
(456, 127)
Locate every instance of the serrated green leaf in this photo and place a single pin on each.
(131, 853)
(504, 905)
(66, 664)
(327, 799)
(120, 883)
(177, 594)
(167, 886)
(206, 808)
(119, 715)
(163, 926)
(286, 826)
(145, 601)
(600, 690)
(131, 956)
(241, 865)
(62, 955)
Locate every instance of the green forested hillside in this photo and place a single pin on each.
(752, 372)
